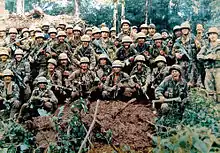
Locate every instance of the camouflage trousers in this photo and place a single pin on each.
(212, 82)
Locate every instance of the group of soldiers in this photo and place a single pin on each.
(43, 67)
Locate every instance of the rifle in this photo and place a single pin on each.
(118, 88)
(178, 99)
(17, 41)
(183, 50)
(141, 91)
(103, 50)
(66, 89)
(18, 79)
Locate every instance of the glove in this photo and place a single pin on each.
(48, 105)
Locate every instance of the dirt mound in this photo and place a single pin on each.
(130, 125)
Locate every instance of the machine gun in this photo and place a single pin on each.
(178, 100)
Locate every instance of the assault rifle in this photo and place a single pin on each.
(119, 88)
(178, 100)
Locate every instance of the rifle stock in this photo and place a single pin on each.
(178, 99)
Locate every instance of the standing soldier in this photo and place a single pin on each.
(126, 53)
(113, 34)
(61, 46)
(151, 32)
(210, 54)
(2, 36)
(185, 51)
(53, 36)
(25, 44)
(10, 93)
(83, 79)
(141, 76)
(118, 84)
(11, 40)
(88, 31)
(45, 29)
(75, 40)
(177, 33)
(125, 29)
(166, 37)
(173, 86)
(5, 62)
(96, 34)
(84, 50)
(23, 70)
(144, 28)
(69, 31)
(141, 46)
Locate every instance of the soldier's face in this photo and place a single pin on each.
(116, 42)
(89, 32)
(45, 28)
(178, 33)
(59, 29)
(39, 40)
(160, 64)
(13, 35)
(84, 66)
(139, 65)
(2, 34)
(42, 86)
(51, 67)
(185, 31)
(213, 37)
(113, 34)
(158, 42)
(125, 27)
(76, 33)
(134, 30)
(116, 69)
(61, 38)
(199, 31)
(3, 58)
(26, 34)
(63, 62)
(126, 45)
(53, 35)
(96, 36)
(141, 40)
(85, 44)
(164, 35)
(175, 75)
(7, 79)
(105, 34)
(102, 61)
(69, 31)
(18, 58)
(144, 30)
(152, 31)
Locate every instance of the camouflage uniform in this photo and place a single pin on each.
(59, 48)
(6, 64)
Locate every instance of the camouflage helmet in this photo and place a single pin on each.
(96, 30)
(63, 56)
(32, 28)
(4, 51)
(157, 36)
(126, 39)
(52, 61)
(13, 30)
(185, 25)
(52, 30)
(19, 52)
(160, 59)
(125, 21)
(62, 23)
(144, 26)
(77, 28)
(177, 27)
(39, 35)
(37, 30)
(176, 67)
(213, 30)
(7, 72)
(85, 38)
(2, 28)
(69, 26)
(134, 27)
(117, 63)
(102, 56)
(199, 27)
(84, 60)
(152, 26)
(88, 29)
(104, 29)
(42, 80)
(61, 33)
(46, 24)
(139, 58)
(25, 30)
(112, 29)
(141, 35)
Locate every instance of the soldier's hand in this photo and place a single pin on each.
(162, 53)
(48, 105)
(31, 59)
(189, 84)
(178, 55)
(162, 98)
(66, 73)
(1, 74)
(137, 86)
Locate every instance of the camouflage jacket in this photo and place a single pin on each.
(103, 71)
(172, 89)
(11, 93)
(123, 54)
(6, 65)
(154, 51)
(39, 57)
(59, 48)
(143, 77)
(84, 52)
(74, 42)
(22, 68)
(158, 75)
(55, 78)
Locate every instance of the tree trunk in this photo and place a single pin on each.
(20, 7)
(2, 7)
(76, 9)
(146, 13)
(115, 13)
(122, 9)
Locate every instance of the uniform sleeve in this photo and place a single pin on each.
(106, 84)
(53, 98)
(201, 55)
(27, 70)
(92, 59)
(75, 57)
(159, 91)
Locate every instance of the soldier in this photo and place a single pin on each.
(173, 86)
(113, 34)
(88, 31)
(165, 36)
(61, 26)
(158, 48)
(200, 38)
(141, 46)
(65, 67)
(75, 40)
(141, 76)
(151, 32)
(134, 29)
(61, 46)
(96, 34)
(5, 62)
(45, 29)
(23, 70)
(125, 29)
(53, 39)
(11, 40)
(25, 44)
(2, 36)
(69, 31)
(83, 79)
(144, 28)
(210, 54)
(84, 50)
(159, 72)
(118, 84)
(177, 33)
(126, 53)
(10, 93)
(184, 50)
(133, 33)
(103, 69)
